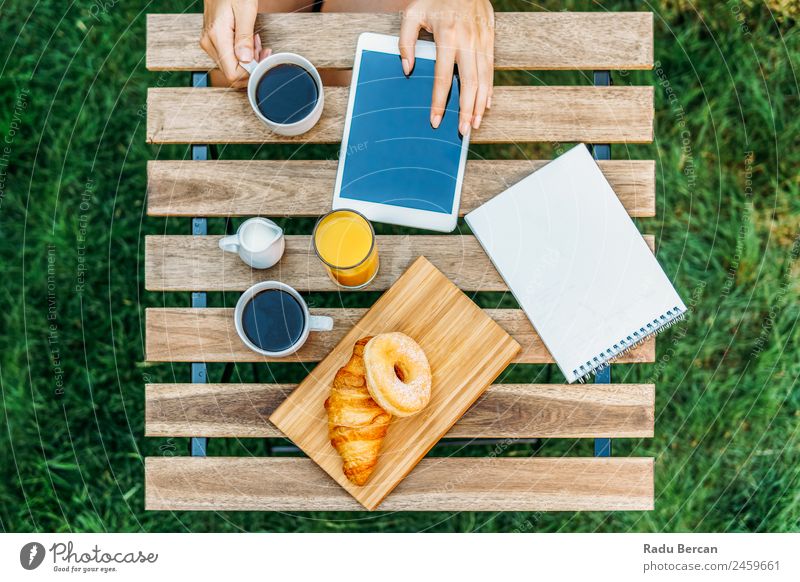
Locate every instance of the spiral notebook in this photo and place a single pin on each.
(576, 263)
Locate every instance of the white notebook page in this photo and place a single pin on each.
(576, 263)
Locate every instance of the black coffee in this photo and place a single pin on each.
(273, 320)
(286, 94)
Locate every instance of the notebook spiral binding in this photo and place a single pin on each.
(623, 346)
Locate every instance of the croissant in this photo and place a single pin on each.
(356, 424)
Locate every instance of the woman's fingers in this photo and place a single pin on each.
(218, 77)
(244, 17)
(222, 37)
(409, 31)
(485, 67)
(464, 32)
(487, 37)
(468, 76)
(443, 78)
(262, 52)
(208, 46)
(228, 37)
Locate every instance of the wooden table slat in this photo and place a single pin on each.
(436, 484)
(208, 335)
(304, 187)
(518, 114)
(190, 263)
(523, 40)
(504, 411)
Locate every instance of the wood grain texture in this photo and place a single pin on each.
(527, 40)
(192, 263)
(504, 411)
(436, 484)
(466, 350)
(518, 114)
(304, 187)
(208, 335)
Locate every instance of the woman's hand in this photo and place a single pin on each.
(229, 36)
(464, 34)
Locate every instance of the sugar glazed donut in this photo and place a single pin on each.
(398, 373)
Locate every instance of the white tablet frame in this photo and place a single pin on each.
(388, 213)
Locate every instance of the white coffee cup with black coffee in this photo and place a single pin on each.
(285, 92)
(272, 319)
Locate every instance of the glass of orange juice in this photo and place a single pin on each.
(344, 241)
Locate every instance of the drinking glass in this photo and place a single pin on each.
(344, 241)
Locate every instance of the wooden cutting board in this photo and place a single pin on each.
(466, 349)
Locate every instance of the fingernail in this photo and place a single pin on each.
(245, 54)
(406, 67)
(476, 123)
(463, 128)
(488, 103)
(437, 119)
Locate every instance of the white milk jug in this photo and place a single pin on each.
(259, 243)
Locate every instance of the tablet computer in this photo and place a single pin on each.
(393, 166)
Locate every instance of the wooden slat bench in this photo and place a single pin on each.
(519, 114)
(444, 484)
(201, 187)
(175, 334)
(181, 263)
(504, 411)
(303, 187)
(526, 40)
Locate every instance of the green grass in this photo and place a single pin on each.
(72, 224)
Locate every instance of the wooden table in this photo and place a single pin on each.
(199, 187)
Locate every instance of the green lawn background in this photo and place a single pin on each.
(72, 200)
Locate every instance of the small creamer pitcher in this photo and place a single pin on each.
(259, 242)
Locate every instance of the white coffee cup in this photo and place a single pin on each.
(258, 241)
(312, 322)
(258, 69)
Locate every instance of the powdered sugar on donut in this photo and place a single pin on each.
(398, 373)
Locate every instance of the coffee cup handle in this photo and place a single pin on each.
(249, 67)
(320, 323)
(230, 244)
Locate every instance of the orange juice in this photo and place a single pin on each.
(345, 242)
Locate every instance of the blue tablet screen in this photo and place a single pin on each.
(393, 155)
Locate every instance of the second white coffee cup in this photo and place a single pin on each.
(272, 319)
